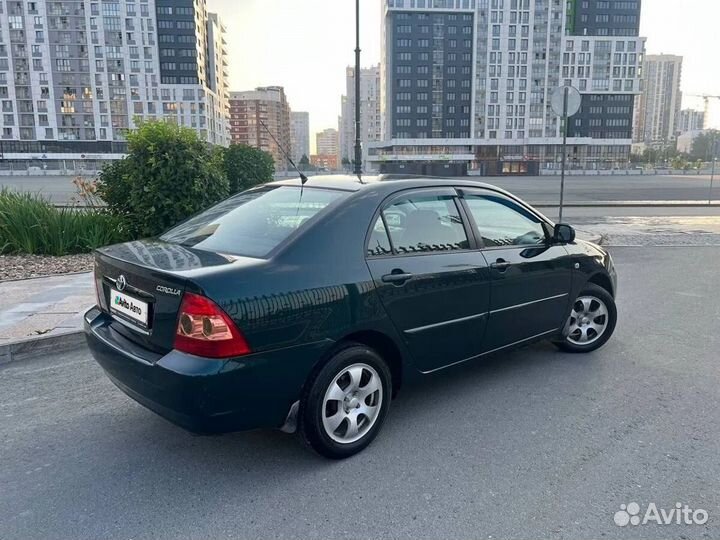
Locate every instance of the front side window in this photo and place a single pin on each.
(425, 223)
(500, 222)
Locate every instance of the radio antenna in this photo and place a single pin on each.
(303, 178)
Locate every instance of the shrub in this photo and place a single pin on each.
(168, 175)
(246, 167)
(30, 224)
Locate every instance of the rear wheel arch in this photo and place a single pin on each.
(381, 343)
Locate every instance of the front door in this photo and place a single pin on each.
(531, 277)
(434, 288)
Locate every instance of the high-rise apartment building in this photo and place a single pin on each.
(466, 84)
(256, 116)
(75, 74)
(690, 120)
(300, 135)
(326, 142)
(658, 107)
(370, 119)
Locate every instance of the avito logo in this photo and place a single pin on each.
(121, 302)
(630, 514)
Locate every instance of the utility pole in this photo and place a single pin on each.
(713, 158)
(358, 145)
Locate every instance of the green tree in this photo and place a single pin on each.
(702, 147)
(246, 167)
(650, 155)
(304, 164)
(168, 175)
(678, 163)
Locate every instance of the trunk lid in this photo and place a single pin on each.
(141, 284)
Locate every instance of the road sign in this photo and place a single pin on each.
(573, 100)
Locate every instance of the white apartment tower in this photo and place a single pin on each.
(370, 119)
(657, 109)
(76, 74)
(300, 135)
(466, 84)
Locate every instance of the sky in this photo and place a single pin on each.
(305, 46)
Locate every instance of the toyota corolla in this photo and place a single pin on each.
(308, 307)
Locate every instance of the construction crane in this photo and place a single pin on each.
(706, 98)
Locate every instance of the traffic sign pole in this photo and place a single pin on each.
(566, 91)
(565, 102)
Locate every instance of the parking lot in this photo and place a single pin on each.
(534, 443)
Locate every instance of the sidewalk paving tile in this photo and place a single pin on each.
(42, 306)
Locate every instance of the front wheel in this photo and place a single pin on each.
(591, 322)
(346, 403)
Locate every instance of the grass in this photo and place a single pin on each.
(29, 224)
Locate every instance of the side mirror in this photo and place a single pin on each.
(563, 234)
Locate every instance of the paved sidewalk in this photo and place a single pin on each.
(49, 306)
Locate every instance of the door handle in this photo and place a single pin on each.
(398, 277)
(501, 265)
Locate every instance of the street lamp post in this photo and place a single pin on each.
(713, 157)
(358, 146)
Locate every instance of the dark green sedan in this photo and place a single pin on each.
(309, 307)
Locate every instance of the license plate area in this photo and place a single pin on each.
(129, 309)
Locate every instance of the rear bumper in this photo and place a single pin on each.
(201, 395)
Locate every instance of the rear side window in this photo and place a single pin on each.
(379, 243)
(253, 223)
(425, 223)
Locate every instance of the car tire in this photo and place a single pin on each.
(591, 322)
(345, 404)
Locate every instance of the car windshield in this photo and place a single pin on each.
(253, 223)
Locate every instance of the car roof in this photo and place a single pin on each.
(383, 182)
(387, 184)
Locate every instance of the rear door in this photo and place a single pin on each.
(433, 287)
(531, 277)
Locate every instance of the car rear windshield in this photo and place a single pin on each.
(255, 222)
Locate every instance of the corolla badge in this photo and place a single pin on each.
(168, 290)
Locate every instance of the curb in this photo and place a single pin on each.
(629, 204)
(61, 342)
(45, 276)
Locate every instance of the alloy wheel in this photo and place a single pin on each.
(352, 403)
(588, 320)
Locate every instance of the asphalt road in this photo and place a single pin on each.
(532, 444)
(536, 190)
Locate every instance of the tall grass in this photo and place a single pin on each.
(30, 224)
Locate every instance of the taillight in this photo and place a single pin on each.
(206, 330)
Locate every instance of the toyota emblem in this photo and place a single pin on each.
(121, 283)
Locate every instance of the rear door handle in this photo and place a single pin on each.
(501, 265)
(397, 277)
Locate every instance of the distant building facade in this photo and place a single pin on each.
(466, 84)
(658, 106)
(75, 75)
(370, 120)
(326, 142)
(690, 120)
(325, 161)
(300, 135)
(255, 115)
